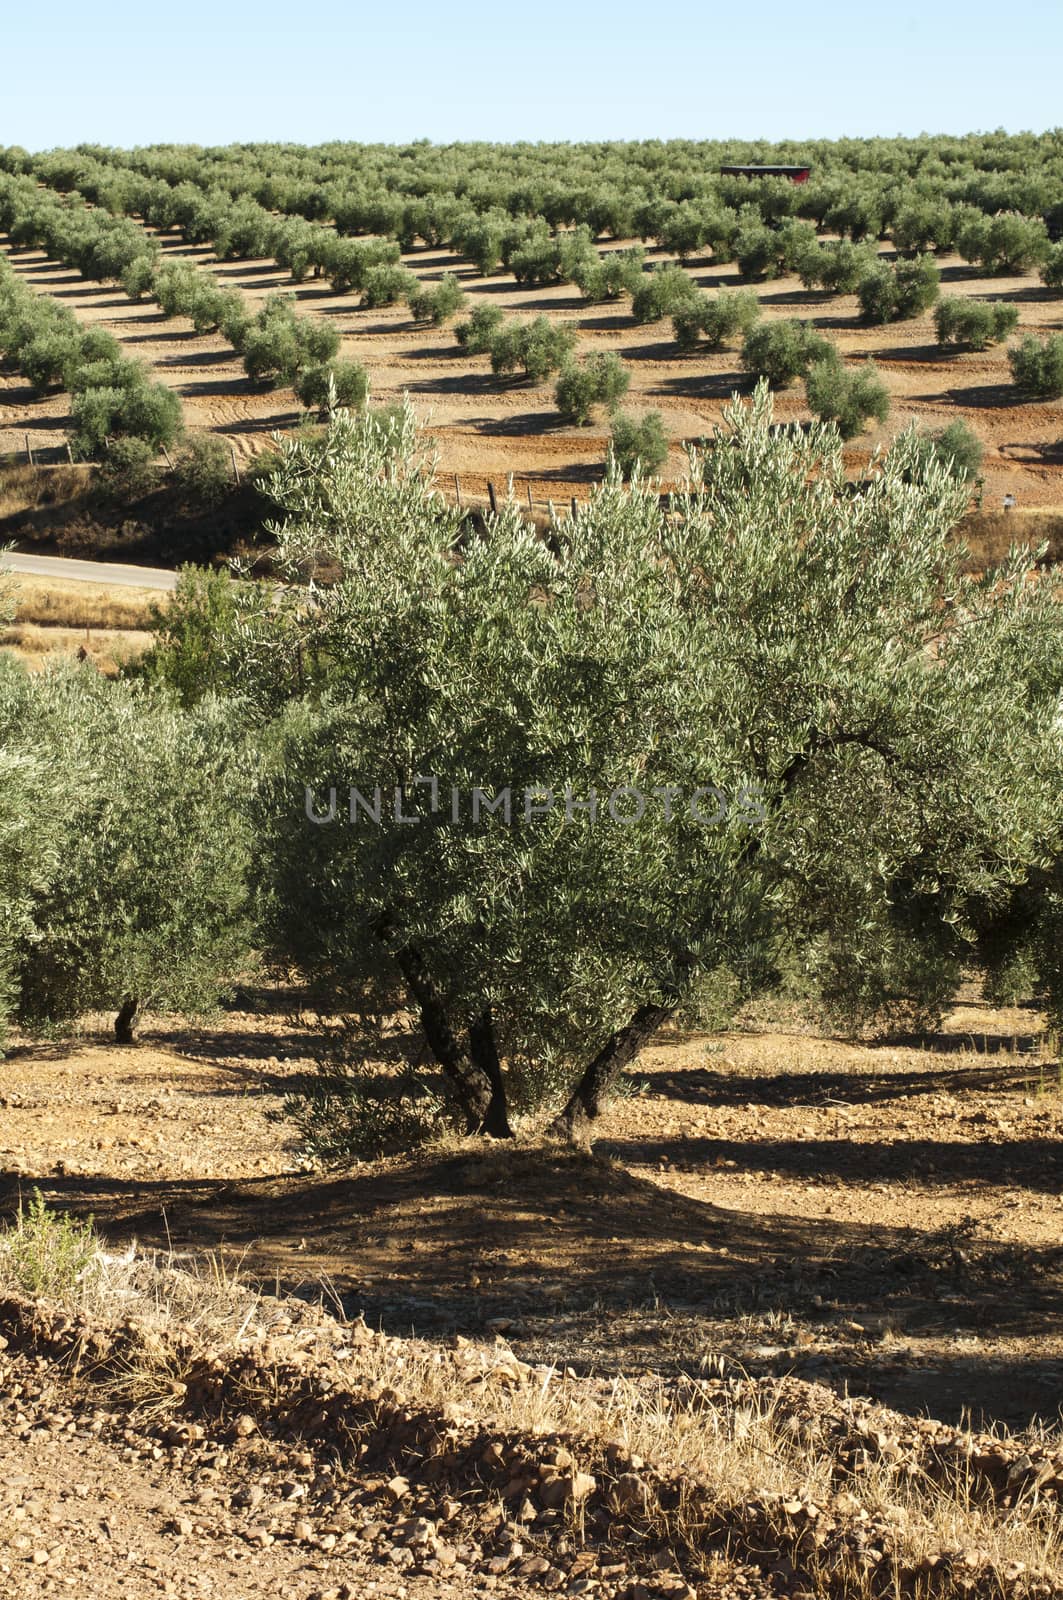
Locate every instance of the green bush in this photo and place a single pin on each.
(45, 357)
(478, 330)
(956, 447)
(540, 347)
(1008, 244)
(128, 470)
(1052, 268)
(662, 293)
(713, 319)
(271, 351)
(837, 267)
(437, 303)
(151, 411)
(138, 279)
(848, 397)
(601, 380)
(45, 1254)
(638, 442)
(610, 276)
(176, 287)
(974, 323)
(335, 383)
(1037, 366)
(386, 285)
(203, 469)
(783, 351)
(893, 294)
(115, 372)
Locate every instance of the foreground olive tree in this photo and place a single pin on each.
(547, 788)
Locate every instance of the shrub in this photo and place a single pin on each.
(95, 413)
(610, 276)
(921, 225)
(271, 351)
(1037, 366)
(385, 285)
(540, 347)
(317, 340)
(152, 412)
(1008, 244)
(138, 279)
(837, 267)
(437, 303)
(1052, 268)
(203, 469)
(477, 331)
(715, 319)
(956, 447)
(46, 1254)
(601, 380)
(128, 470)
(974, 323)
(115, 372)
(333, 384)
(662, 293)
(553, 258)
(176, 287)
(45, 357)
(892, 294)
(783, 351)
(638, 442)
(848, 397)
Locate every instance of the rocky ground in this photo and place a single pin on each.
(887, 1217)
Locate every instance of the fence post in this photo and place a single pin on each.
(236, 469)
(29, 450)
(457, 490)
(530, 505)
(492, 496)
(573, 505)
(166, 454)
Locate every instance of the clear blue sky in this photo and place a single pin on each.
(113, 72)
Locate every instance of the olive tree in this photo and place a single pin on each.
(543, 789)
(140, 893)
(850, 397)
(782, 351)
(974, 323)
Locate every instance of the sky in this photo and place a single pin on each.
(407, 69)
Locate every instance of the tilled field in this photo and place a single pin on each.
(488, 428)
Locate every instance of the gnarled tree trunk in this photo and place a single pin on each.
(125, 1023)
(618, 1051)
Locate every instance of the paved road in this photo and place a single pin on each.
(88, 571)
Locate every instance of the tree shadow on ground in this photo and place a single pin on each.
(582, 1262)
(987, 397)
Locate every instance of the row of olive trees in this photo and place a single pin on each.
(998, 200)
(116, 408)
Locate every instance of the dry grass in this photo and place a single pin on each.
(740, 1444)
(989, 535)
(107, 650)
(24, 488)
(69, 603)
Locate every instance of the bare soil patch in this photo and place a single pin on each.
(883, 1217)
